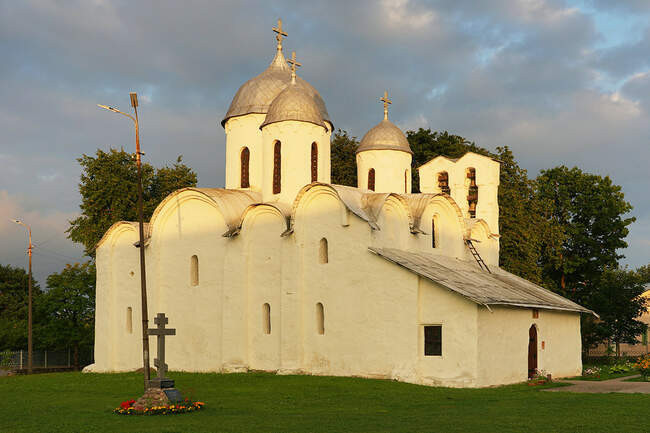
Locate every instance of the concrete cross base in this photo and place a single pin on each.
(161, 383)
(156, 397)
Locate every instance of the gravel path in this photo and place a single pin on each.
(605, 386)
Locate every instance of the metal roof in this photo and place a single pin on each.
(384, 136)
(257, 94)
(294, 103)
(469, 280)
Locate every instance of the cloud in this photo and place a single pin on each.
(52, 250)
(552, 79)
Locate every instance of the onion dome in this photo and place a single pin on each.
(256, 94)
(294, 103)
(385, 135)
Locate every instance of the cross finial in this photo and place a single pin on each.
(386, 102)
(280, 33)
(294, 63)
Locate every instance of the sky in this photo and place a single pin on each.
(560, 82)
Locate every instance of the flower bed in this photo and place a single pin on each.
(126, 408)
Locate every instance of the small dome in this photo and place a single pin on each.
(385, 136)
(256, 94)
(294, 103)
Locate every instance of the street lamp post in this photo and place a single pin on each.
(143, 275)
(29, 299)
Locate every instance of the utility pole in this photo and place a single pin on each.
(29, 299)
(143, 275)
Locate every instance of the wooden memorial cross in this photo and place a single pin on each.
(161, 332)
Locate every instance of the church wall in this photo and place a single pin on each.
(244, 131)
(369, 307)
(392, 169)
(296, 139)
(117, 346)
(191, 225)
(457, 367)
(265, 255)
(503, 350)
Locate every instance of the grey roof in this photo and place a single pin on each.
(385, 135)
(293, 103)
(257, 94)
(469, 280)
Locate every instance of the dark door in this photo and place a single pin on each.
(532, 351)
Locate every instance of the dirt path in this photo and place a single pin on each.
(605, 386)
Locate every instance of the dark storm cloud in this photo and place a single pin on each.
(523, 73)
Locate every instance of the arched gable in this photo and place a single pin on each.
(477, 229)
(252, 211)
(229, 203)
(420, 203)
(114, 232)
(351, 200)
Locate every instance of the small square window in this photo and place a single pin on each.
(535, 313)
(433, 340)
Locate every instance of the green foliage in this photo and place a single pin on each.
(109, 194)
(344, 167)
(68, 308)
(615, 295)
(14, 284)
(589, 211)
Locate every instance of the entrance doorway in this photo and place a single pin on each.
(532, 351)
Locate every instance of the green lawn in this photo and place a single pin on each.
(75, 402)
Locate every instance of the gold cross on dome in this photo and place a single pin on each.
(280, 33)
(294, 63)
(386, 102)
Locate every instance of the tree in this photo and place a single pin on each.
(68, 308)
(617, 299)
(109, 192)
(521, 224)
(13, 306)
(343, 157)
(589, 212)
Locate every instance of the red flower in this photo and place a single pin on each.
(127, 404)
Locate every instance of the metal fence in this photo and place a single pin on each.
(17, 359)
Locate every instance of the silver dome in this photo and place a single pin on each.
(294, 103)
(257, 94)
(385, 136)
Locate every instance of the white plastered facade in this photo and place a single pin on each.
(261, 253)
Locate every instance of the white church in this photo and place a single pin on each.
(283, 271)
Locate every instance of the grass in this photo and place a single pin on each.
(75, 402)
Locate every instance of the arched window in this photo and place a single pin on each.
(472, 192)
(266, 318)
(194, 270)
(406, 181)
(277, 168)
(323, 253)
(443, 182)
(371, 179)
(320, 318)
(314, 162)
(434, 234)
(245, 160)
(129, 320)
